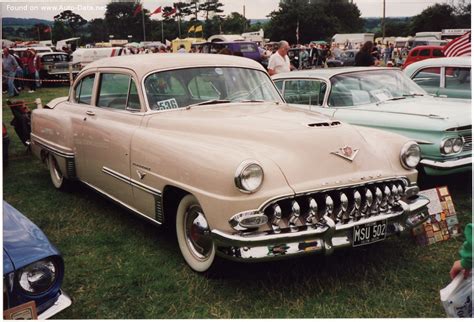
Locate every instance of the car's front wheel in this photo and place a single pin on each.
(194, 235)
(57, 177)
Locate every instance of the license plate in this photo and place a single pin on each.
(26, 311)
(369, 233)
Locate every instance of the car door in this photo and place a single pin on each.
(108, 126)
(307, 94)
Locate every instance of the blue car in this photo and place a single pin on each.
(33, 270)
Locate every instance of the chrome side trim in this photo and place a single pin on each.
(122, 204)
(48, 147)
(131, 181)
(61, 303)
(447, 164)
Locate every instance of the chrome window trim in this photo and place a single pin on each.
(148, 109)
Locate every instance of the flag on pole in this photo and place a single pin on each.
(137, 10)
(460, 46)
(169, 13)
(191, 29)
(198, 29)
(157, 11)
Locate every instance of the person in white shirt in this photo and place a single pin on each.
(279, 62)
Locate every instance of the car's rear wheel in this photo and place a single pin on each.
(57, 177)
(193, 234)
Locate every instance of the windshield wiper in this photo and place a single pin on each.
(209, 102)
(413, 94)
(251, 101)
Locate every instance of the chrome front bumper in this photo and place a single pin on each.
(61, 303)
(445, 165)
(321, 239)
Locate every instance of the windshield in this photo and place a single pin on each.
(208, 85)
(367, 87)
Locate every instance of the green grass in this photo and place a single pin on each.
(119, 266)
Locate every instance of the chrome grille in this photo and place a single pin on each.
(467, 142)
(342, 205)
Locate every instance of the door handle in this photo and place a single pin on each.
(90, 113)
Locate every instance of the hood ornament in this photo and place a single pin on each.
(347, 153)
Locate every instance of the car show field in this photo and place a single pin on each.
(118, 266)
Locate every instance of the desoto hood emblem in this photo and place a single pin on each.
(347, 153)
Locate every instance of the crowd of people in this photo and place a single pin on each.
(20, 72)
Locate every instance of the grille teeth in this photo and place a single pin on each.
(342, 205)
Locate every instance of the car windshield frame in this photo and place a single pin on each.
(372, 87)
(154, 90)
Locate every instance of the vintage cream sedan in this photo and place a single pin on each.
(206, 145)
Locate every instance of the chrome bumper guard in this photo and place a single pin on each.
(61, 303)
(323, 238)
(452, 164)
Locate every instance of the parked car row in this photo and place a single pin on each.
(211, 149)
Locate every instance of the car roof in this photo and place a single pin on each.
(327, 73)
(52, 53)
(438, 62)
(145, 63)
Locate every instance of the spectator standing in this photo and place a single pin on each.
(182, 49)
(279, 62)
(31, 70)
(303, 58)
(364, 57)
(9, 66)
(465, 263)
(313, 55)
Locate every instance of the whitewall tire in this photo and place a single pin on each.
(193, 234)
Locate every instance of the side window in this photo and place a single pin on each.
(279, 85)
(414, 53)
(458, 78)
(113, 91)
(83, 90)
(438, 53)
(305, 92)
(428, 77)
(133, 98)
(424, 52)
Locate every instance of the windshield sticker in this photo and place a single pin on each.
(219, 71)
(167, 105)
(381, 94)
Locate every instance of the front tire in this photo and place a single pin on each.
(193, 234)
(57, 177)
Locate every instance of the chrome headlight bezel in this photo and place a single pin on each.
(410, 149)
(241, 176)
(38, 277)
(448, 145)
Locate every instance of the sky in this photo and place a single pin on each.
(254, 9)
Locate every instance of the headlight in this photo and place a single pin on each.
(410, 155)
(452, 145)
(37, 277)
(249, 176)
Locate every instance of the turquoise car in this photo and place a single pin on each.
(443, 77)
(385, 98)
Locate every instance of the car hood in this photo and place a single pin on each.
(455, 113)
(301, 143)
(23, 241)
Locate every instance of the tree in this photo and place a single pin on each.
(60, 31)
(314, 19)
(434, 18)
(97, 30)
(120, 22)
(71, 20)
(235, 23)
(211, 7)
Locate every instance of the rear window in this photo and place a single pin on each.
(248, 48)
(54, 58)
(438, 53)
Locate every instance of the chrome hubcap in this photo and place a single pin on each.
(198, 237)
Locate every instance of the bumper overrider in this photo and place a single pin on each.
(335, 227)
